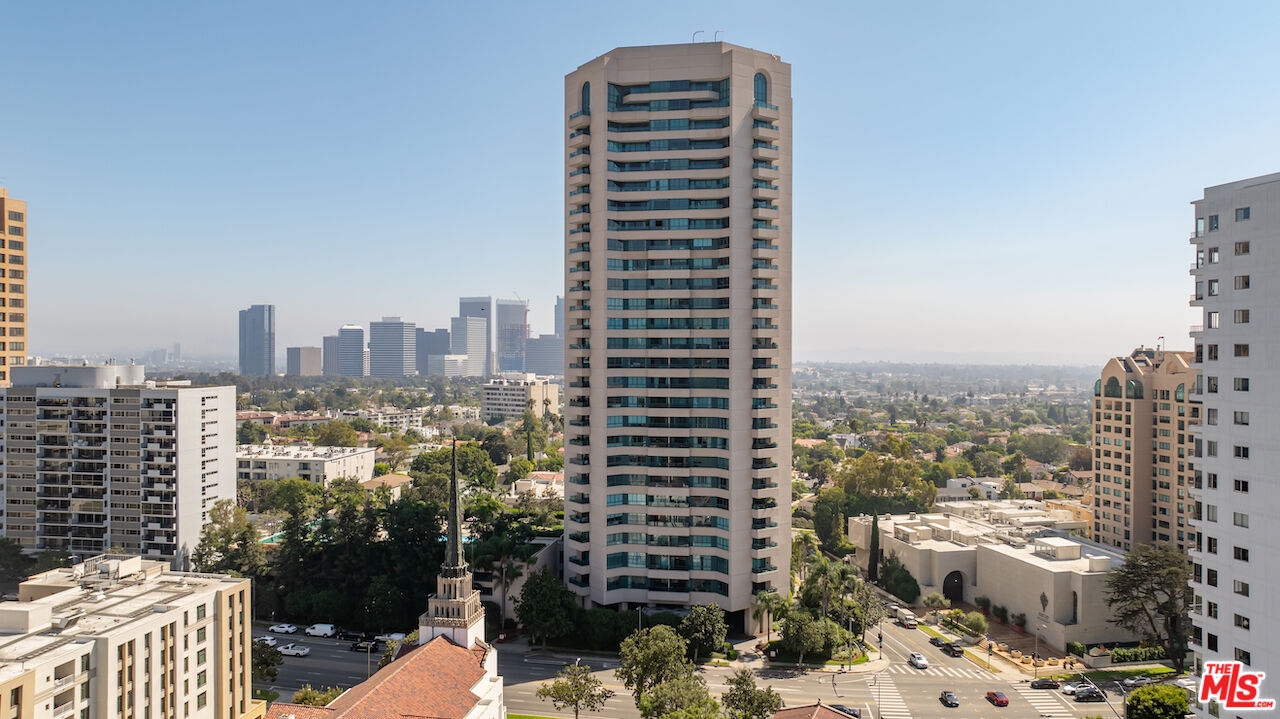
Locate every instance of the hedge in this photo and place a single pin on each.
(1076, 648)
(1138, 654)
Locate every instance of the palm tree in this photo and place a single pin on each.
(507, 556)
(803, 547)
(771, 604)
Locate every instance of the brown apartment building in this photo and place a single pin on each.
(13, 284)
(1143, 409)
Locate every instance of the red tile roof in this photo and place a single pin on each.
(284, 710)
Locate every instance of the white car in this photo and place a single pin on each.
(295, 650)
(282, 629)
(392, 637)
(918, 661)
(1134, 682)
(266, 639)
(1070, 687)
(321, 630)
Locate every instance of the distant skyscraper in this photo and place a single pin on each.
(468, 338)
(13, 295)
(351, 351)
(512, 333)
(430, 342)
(678, 278)
(482, 308)
(544, 355)
(559, 316)
(258, 341)
(392, 348)
(177, 352)
(330, 351)
(303, 361)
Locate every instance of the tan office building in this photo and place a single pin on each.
(13, 284)
(508, 398)
(678, 337)
(119, 637)
(1143, 410)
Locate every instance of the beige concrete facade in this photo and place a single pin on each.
(320, 465)
(508, 398)
(1018, 558)
(678, 337)
(119, 636)
(1143, 410)
(13, 284)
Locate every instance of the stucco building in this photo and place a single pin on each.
(320, 465)
(509, 397)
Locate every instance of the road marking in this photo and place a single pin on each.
(1045, 701)
(888, 700)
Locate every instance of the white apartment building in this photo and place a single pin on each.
(678, 336)
(321, 465)
(401, 420)
(509, 397)
(1237, 445)
(96, 457)
(119, 636)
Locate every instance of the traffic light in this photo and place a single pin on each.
(879, 637)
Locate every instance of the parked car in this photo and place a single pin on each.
(364, 645)
(1135, 682)
(1089, 694)
(846, 709)
(282, 629)
(918, 661)
(953, 649)
(321, 630)
(938, 641)
(392, 637)
(949, 698)
(295, 650)
(998, 699)
(266, 639)
(351, 635)
(1044, 684)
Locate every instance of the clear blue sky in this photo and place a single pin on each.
(998, 181)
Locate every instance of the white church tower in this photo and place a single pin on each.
(454, 610)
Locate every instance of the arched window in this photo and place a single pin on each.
(1112, 388)
(1133, 389)
(1097, 388)
(1180, 393)
(585, 104)
(762, 87)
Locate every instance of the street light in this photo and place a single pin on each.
(1035, 655)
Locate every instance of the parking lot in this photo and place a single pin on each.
(330, 663)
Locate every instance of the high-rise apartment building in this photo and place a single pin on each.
(480, 308)
(1144, 409)
(512, 329)
(96, 457)
(330, 350)
(351, 351)
(544, 355)
(559, 327)
(13, 288)
(122, 636)
(678, 337)
(1237, 285)
(303, 361)
(427, 343)
(258, 341)
(393, 348)
(468, 338)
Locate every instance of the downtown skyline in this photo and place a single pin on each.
(1038, 178)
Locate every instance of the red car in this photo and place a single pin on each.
(998, 698)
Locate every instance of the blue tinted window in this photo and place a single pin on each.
(762, 87)
(586, 97)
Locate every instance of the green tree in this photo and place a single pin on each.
(704, 628)
(14, 564)
(743, 700)
(1150, 595)
(873, 552)
(229, 543)
(265, 659)
(685, 696)
(506, 554)
(518, 469)
(650, 657)
(393, 648)
(1156, 701)
(250, 432)
(828, 516)
(576, 687)
(316, 697)
(1011, 490)
(935, 601)
(545, 607)
(770, 605)
(397, 450)
(801, 634)
(379, 469)
(336, 434)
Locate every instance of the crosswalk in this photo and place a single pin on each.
(1045, 701)
(888, 699)
(940, 671)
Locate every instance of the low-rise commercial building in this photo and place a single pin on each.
(120, 636)
(400, 420)
(509, 397)
(1016, 554)
(320, 465)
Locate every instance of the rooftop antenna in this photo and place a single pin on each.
(716, 37)
(695, 35)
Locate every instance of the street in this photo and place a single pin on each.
(330, 663)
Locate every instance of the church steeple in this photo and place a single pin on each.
(455, 609)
